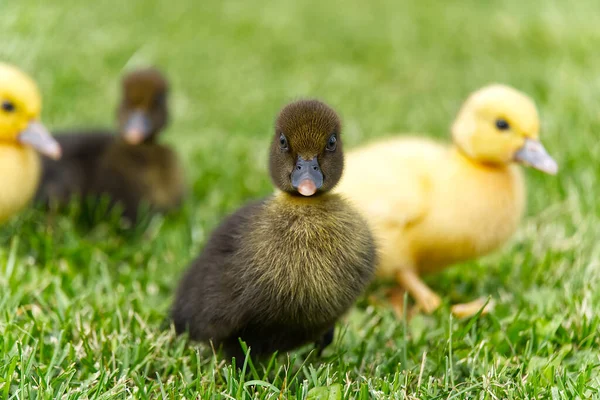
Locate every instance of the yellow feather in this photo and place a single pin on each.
(19, 177)
(19, 164)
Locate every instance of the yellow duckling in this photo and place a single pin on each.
(432, 205)
(20, 135)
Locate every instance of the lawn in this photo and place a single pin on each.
(81, 311)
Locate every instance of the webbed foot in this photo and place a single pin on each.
(470, 309)
(426, 299)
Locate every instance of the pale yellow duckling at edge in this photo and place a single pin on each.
(431, 205)
(21, 134)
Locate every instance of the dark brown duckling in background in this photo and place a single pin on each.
(279, 272)
(131, 168)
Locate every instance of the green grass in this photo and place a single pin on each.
(81, 312)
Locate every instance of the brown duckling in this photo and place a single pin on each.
(279, 272)
(131, 168)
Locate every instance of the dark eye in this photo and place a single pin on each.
(8, 106)
(502, 124)
(160, 100)
(332, 143)
(283, 143)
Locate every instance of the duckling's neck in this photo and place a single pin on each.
(150, 140)
(463, 157)
(300, 201)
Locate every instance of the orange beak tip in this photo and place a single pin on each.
(55, 153)
(134, 136)
(307, 188)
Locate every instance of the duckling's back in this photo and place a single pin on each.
(428, 205)
(277, 274)
(72, 174)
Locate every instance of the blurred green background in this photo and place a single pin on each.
(80, 312)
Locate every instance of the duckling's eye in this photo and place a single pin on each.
(332, 143)
(160, 100)
(502, 125)
(283, 143)
(8, 106)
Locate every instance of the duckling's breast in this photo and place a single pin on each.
(151, 171)
(19, 178)
(475, 209)
(310, 258)
(163, 182)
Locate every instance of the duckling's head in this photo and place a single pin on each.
(306, 155)
(20, 107)
(143, 109)
(499, 125)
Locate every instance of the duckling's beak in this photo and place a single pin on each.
(38, 137)
(137, 128)
(307, 177)
(533, 154)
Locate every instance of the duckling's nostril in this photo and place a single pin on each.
(298, 167)
(315, 168)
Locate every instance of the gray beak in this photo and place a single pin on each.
(38, 137)
(307, 177)
(534, 155)
(137, 128)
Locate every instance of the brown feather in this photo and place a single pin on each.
(101, 163)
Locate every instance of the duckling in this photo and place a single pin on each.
(279, 272)
(131, 168)
(432, 205)
(21, 134)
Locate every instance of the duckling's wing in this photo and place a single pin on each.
(71, 174)
(135, 176)
(404, 205)
(210, 301)
(165, 178)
